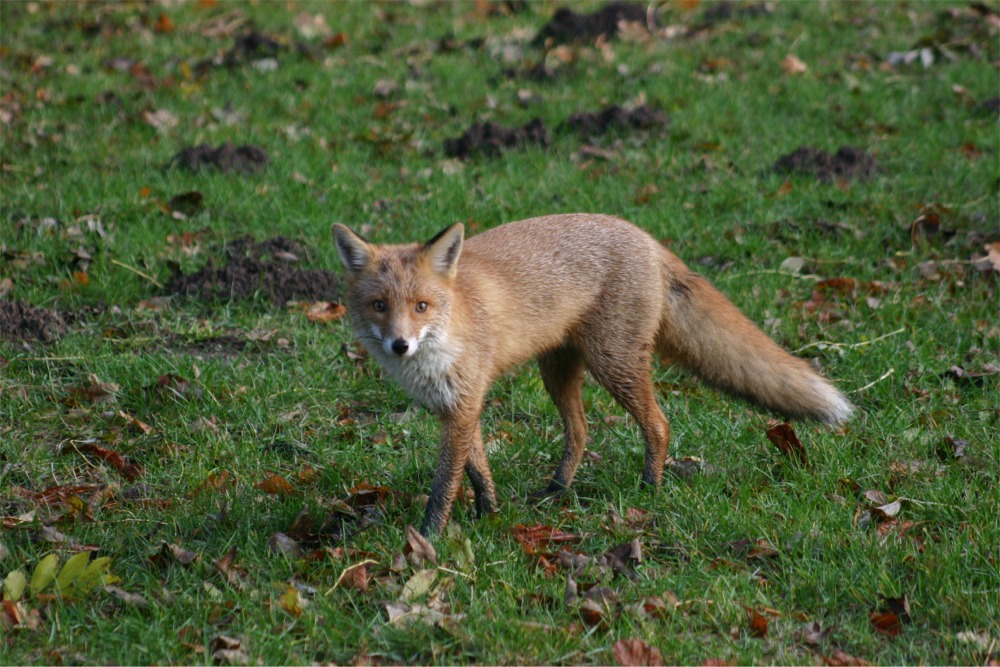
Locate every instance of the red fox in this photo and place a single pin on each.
(577, 292)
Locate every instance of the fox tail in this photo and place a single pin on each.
(703, 331)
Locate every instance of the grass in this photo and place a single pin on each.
(286, 399)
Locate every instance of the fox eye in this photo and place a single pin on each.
(421, 307)
(379, 306)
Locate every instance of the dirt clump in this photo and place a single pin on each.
(567, 26)
(847, 163)
(492, 139)
(990, 107)
(22, 321)
(246, 159)
(248, 46)
(252, 267)
(614, 118)
(538, 72)
(727, 11)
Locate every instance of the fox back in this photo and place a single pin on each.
(578, 293)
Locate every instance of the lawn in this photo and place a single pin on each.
(198, 465)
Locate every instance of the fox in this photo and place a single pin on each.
(579, 293)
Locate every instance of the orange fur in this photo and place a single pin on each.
(578, 292)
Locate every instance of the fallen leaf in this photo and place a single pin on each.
(163, 24)
(228, 650)
(127, 469)
(325, 311)
(993, 254)
(161, 119)
(635, 651)
(840, 659)
(812, 634)
(783, 436)
(292, 601)
(275, 484)
(886, 622)
(174, 553)
(14, 585)
(95, 392)
(791, 64)
(418, 548)
(126, 598)
(537, 536)
(356, 576)
(279, 543)
(418, 585)
(134, 421)
(13, 614)
(756, 623)
(229, 570)
(44, 574)
(366, 495)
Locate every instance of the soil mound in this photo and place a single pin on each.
(246, 159)
(266, 267)
(616, 117)
(567, 26)
(22, 321)
(847, 163)
(493, 139)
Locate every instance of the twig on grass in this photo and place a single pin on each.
(804, 276)
(848, 346)
(872, 384)
(138, 272)
(367, 561)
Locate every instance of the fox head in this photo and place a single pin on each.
(398, 296)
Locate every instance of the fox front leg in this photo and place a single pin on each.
(461, 449)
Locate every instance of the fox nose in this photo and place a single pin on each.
(400, 346)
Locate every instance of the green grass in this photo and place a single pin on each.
(704, 185)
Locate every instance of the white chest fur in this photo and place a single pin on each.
(425, 375)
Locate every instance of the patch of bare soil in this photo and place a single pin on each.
(847, 163)
(248, 46)
(567, 26)
(615, 118)
(990, 107)
(727, 11)
(246, 159)
(493, 139)
(266, 267)
(22, 321)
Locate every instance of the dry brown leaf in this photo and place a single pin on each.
(886, 622)
(840, 659)
(792, 64)
(275, 484)
(756, 623)
(783, 436)
(418, 548)
(635, 651)
(229, 570)
(325, 311)
(993, 254)
(134, 421)
(127, 469)
(356, 576)
(174, 553)
(279, 543)
(538, 536)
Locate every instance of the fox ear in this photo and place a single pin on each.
(443, 250)
(354, 251)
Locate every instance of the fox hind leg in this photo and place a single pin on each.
(627, 378)
(562, 372)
